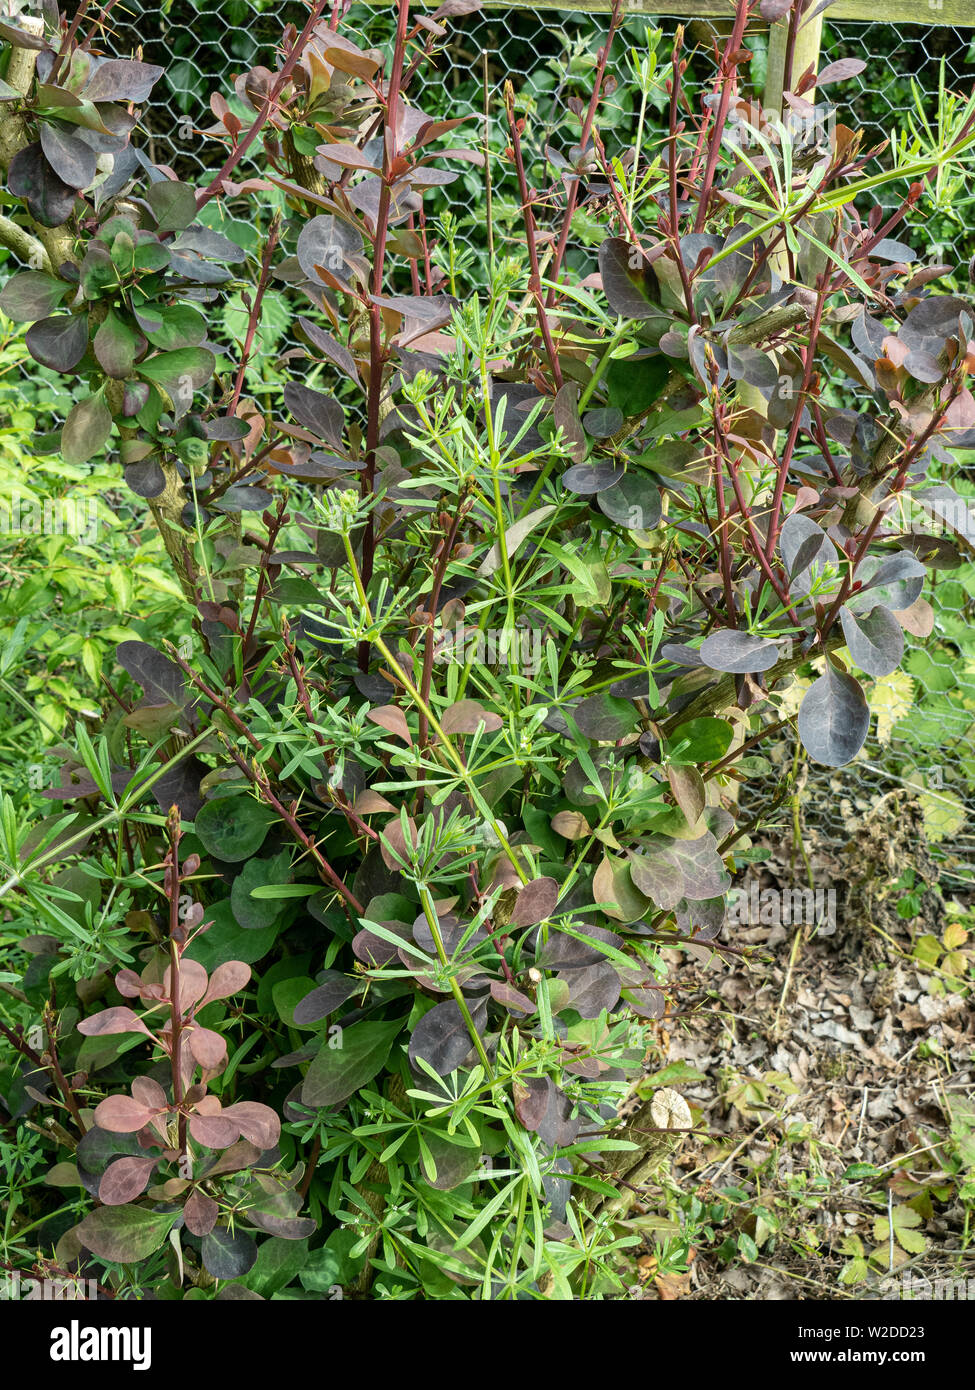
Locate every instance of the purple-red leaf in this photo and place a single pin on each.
(122, 1114)
(117, 1020)
(125, 1179)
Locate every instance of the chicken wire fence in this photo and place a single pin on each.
(923, 733)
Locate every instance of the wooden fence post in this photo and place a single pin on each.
(806, 55)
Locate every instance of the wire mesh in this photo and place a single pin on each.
(547, 54)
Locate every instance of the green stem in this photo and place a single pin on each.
(459, 1000)
(60, 850)
(421, 704)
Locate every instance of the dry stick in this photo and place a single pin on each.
(572, 197)
(535, 280)
(797, 841)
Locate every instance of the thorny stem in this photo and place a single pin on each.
(176, 936)
(535, 280)
(910, 453)
(297, 671)
(729, 63)
(328, 875)
(675, 87)
(822, 289)
(377, 354)
(22, 1046)
(263, 582)
(572, 197)
(255, 312)
(267, 106)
